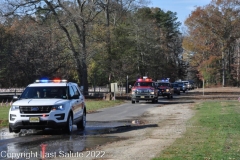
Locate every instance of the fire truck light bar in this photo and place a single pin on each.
(146, 80)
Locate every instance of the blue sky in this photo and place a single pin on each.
(182, 7)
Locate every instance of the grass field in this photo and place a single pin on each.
(92, 105)
(213, 133)
(4, 115)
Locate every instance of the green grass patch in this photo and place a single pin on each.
(93, 105)
(213, 133)
(4, 112)
(4, 116)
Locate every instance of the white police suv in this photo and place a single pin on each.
(48, 104)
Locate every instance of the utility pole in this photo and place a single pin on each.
(223, 68)
(127, 85)
(203, 86)
(238, 66)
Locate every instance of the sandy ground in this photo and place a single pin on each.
(162, 126)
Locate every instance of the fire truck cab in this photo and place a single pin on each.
(165, 88)
(144, 89)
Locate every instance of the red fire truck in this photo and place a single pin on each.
(144, 89)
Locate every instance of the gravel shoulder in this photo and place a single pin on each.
(162, 126)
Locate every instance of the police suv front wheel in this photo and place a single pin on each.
(69, 125)
(15, 131)
(82, 123)
(10, 129)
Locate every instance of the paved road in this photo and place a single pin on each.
(126, 111)
(34, 143)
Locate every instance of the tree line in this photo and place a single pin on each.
(96, 42)
(212, 42)
(91, 42)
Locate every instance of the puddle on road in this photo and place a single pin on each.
(96, 128)
(58, 147)
(35, 145)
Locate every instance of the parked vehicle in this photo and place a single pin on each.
(182, 86)
(176, 88)
(192, 85)
(187, 84)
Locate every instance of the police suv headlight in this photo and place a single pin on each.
(58, 107)
(13, 108)
(167, 90)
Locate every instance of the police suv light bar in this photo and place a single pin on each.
(48, 81)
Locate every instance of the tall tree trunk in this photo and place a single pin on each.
(84, 75)
(108, 40)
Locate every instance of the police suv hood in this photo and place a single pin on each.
(21, 102)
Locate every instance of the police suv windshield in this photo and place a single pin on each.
(45, 92)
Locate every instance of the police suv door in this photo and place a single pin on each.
(77, 102)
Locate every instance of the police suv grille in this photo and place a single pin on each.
(35, 109)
